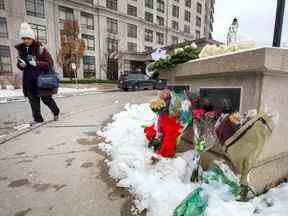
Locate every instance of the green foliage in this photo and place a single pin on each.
(181, 56)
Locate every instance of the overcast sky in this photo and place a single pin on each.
(256, 20)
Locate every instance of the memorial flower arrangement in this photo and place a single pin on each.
(163, 135)
(187, 116)
(175, 113)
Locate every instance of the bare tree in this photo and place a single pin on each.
(72, 48)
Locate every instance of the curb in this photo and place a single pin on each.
(23, 99)
(16, 134)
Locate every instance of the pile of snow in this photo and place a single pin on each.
(160, 188)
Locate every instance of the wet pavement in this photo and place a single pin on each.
(57, 169)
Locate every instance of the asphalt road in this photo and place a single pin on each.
(56, 169)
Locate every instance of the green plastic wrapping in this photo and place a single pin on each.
(193, 205)
(215, 173)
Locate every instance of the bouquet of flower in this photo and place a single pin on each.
(151, 136)
(157, 105)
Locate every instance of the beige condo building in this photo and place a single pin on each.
(111, 29)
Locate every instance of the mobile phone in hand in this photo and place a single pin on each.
(21, 60)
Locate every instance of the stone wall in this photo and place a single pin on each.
(262, 74)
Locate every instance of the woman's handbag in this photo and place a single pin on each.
(48, 81)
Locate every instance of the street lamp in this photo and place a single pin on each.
(232, 33)
(278, 23)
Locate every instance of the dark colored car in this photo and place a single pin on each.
(138, 81)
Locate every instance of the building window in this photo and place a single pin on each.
(148, 48)
(161, 6)
(187, 29)
(89, 66)
(87, 21)
(149, 17)
(132, 30)
(187, 16)
(198, 21)
(112, 4)
(5, 60)
(160, 21)
(89, 41)
(132, 47)
(175, 25)
(40, 32)
(199, 8)
(148, 35)
(89, 1)
(175, 11)
(131, 10)
(112, 26)
(160, 38)
(198, 34)
(66, 14)
(188, 3)
(149, 3)
(35, 8)
(174, 40)
(2, 5)
(112, 45)
(3, 27)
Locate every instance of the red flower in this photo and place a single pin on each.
(150, 133)
(198, 113)
(194, 102)
(211, 115)
(170, 129)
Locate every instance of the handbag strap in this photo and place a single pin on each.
(51, 69)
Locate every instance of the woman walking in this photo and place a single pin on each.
(34, 59)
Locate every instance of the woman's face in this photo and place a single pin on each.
(27, 41)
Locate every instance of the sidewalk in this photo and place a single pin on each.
(57, 170)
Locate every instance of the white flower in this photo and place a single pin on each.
(185, 105)
(178, 50)
(213, 50)
(194, 45)
(209, 50)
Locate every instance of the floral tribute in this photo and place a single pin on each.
(158, 105)
(188, 115)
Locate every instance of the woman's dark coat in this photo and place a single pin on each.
(30, 73)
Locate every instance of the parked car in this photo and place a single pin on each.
(136, 81)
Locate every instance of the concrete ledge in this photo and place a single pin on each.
(254, 60)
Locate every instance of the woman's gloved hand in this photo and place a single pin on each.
(32, 62)
(21, 62)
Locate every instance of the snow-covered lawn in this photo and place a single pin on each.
(162, 187)
(6, 94)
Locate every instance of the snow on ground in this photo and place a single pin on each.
(17, 93)
(162, 187)
(7, 93)
(21, 127)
